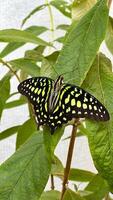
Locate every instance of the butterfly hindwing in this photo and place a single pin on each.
(75, 102)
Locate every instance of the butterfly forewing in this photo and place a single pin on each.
(38, 90)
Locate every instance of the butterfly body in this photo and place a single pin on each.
(55, 102)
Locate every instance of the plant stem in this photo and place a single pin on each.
(51, 20)
(52, 182)
(69, 157)
(9, 67)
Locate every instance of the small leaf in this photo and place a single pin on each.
(36, 30)
(25, 131)
(82, 43)
(8, 132)
(26, 65)
(4, 92)
(25, 174)
(50, 195)
(33, 12)
(57, 167)
(62, 6)
(109, 35)
(70, 195)
(15, 103)
(80, 175)
(14, 35)
(64, 27)
(99, 188)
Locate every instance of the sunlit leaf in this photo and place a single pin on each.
(14, 35)
(36, 30)
(82, 43)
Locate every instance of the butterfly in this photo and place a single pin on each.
(56, 102)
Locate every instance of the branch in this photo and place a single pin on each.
(69, 157)
(52, 182)
(9, 67)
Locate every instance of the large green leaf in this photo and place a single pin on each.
(14, 35)
(25, 131)
(25, 174)
(109, 35)
(36, 30)
(26, 65)
(80, 175)
(99, 82)
(70, 195)
(50, 195)
(81, 44)
(4, 92)
(98, 187)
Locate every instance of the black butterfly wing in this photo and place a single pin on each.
(37, 90)
(75, 102)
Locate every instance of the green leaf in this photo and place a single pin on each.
(80, 175)
(64, 27)
(70, 195)
(99, 188)
(36, 30)
(57, 167)
(82, 43)
(26, 65)
(25, 174)
(47, 68)
(8, 132)
(62, 6)
(4, 92)
(25, 131)
(109, 35)
(80, 8)
(14, 35)
(15, 103)
(50, 195)
(99, 82)
(33, 12)
(52, 140)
